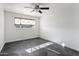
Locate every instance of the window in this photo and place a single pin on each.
(20, 22)
(17, 21)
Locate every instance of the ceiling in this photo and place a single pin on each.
(19, 8)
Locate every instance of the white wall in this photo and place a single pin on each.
(75, 41)
(1, 27)
(15, 34)
(61, 24)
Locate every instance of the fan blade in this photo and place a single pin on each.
(40, 11)
(29, 7)
(32, 11)
(44, 8)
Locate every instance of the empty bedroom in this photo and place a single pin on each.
(39, 29)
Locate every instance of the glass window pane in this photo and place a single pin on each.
(17, 21)
(27, 22)
(33, 22)
(23, 21)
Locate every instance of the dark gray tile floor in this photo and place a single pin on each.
(18, 49)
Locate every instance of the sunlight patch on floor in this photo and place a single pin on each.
(30, 50)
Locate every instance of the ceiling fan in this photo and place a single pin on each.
(37, 8)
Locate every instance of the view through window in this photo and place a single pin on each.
(22, 23)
